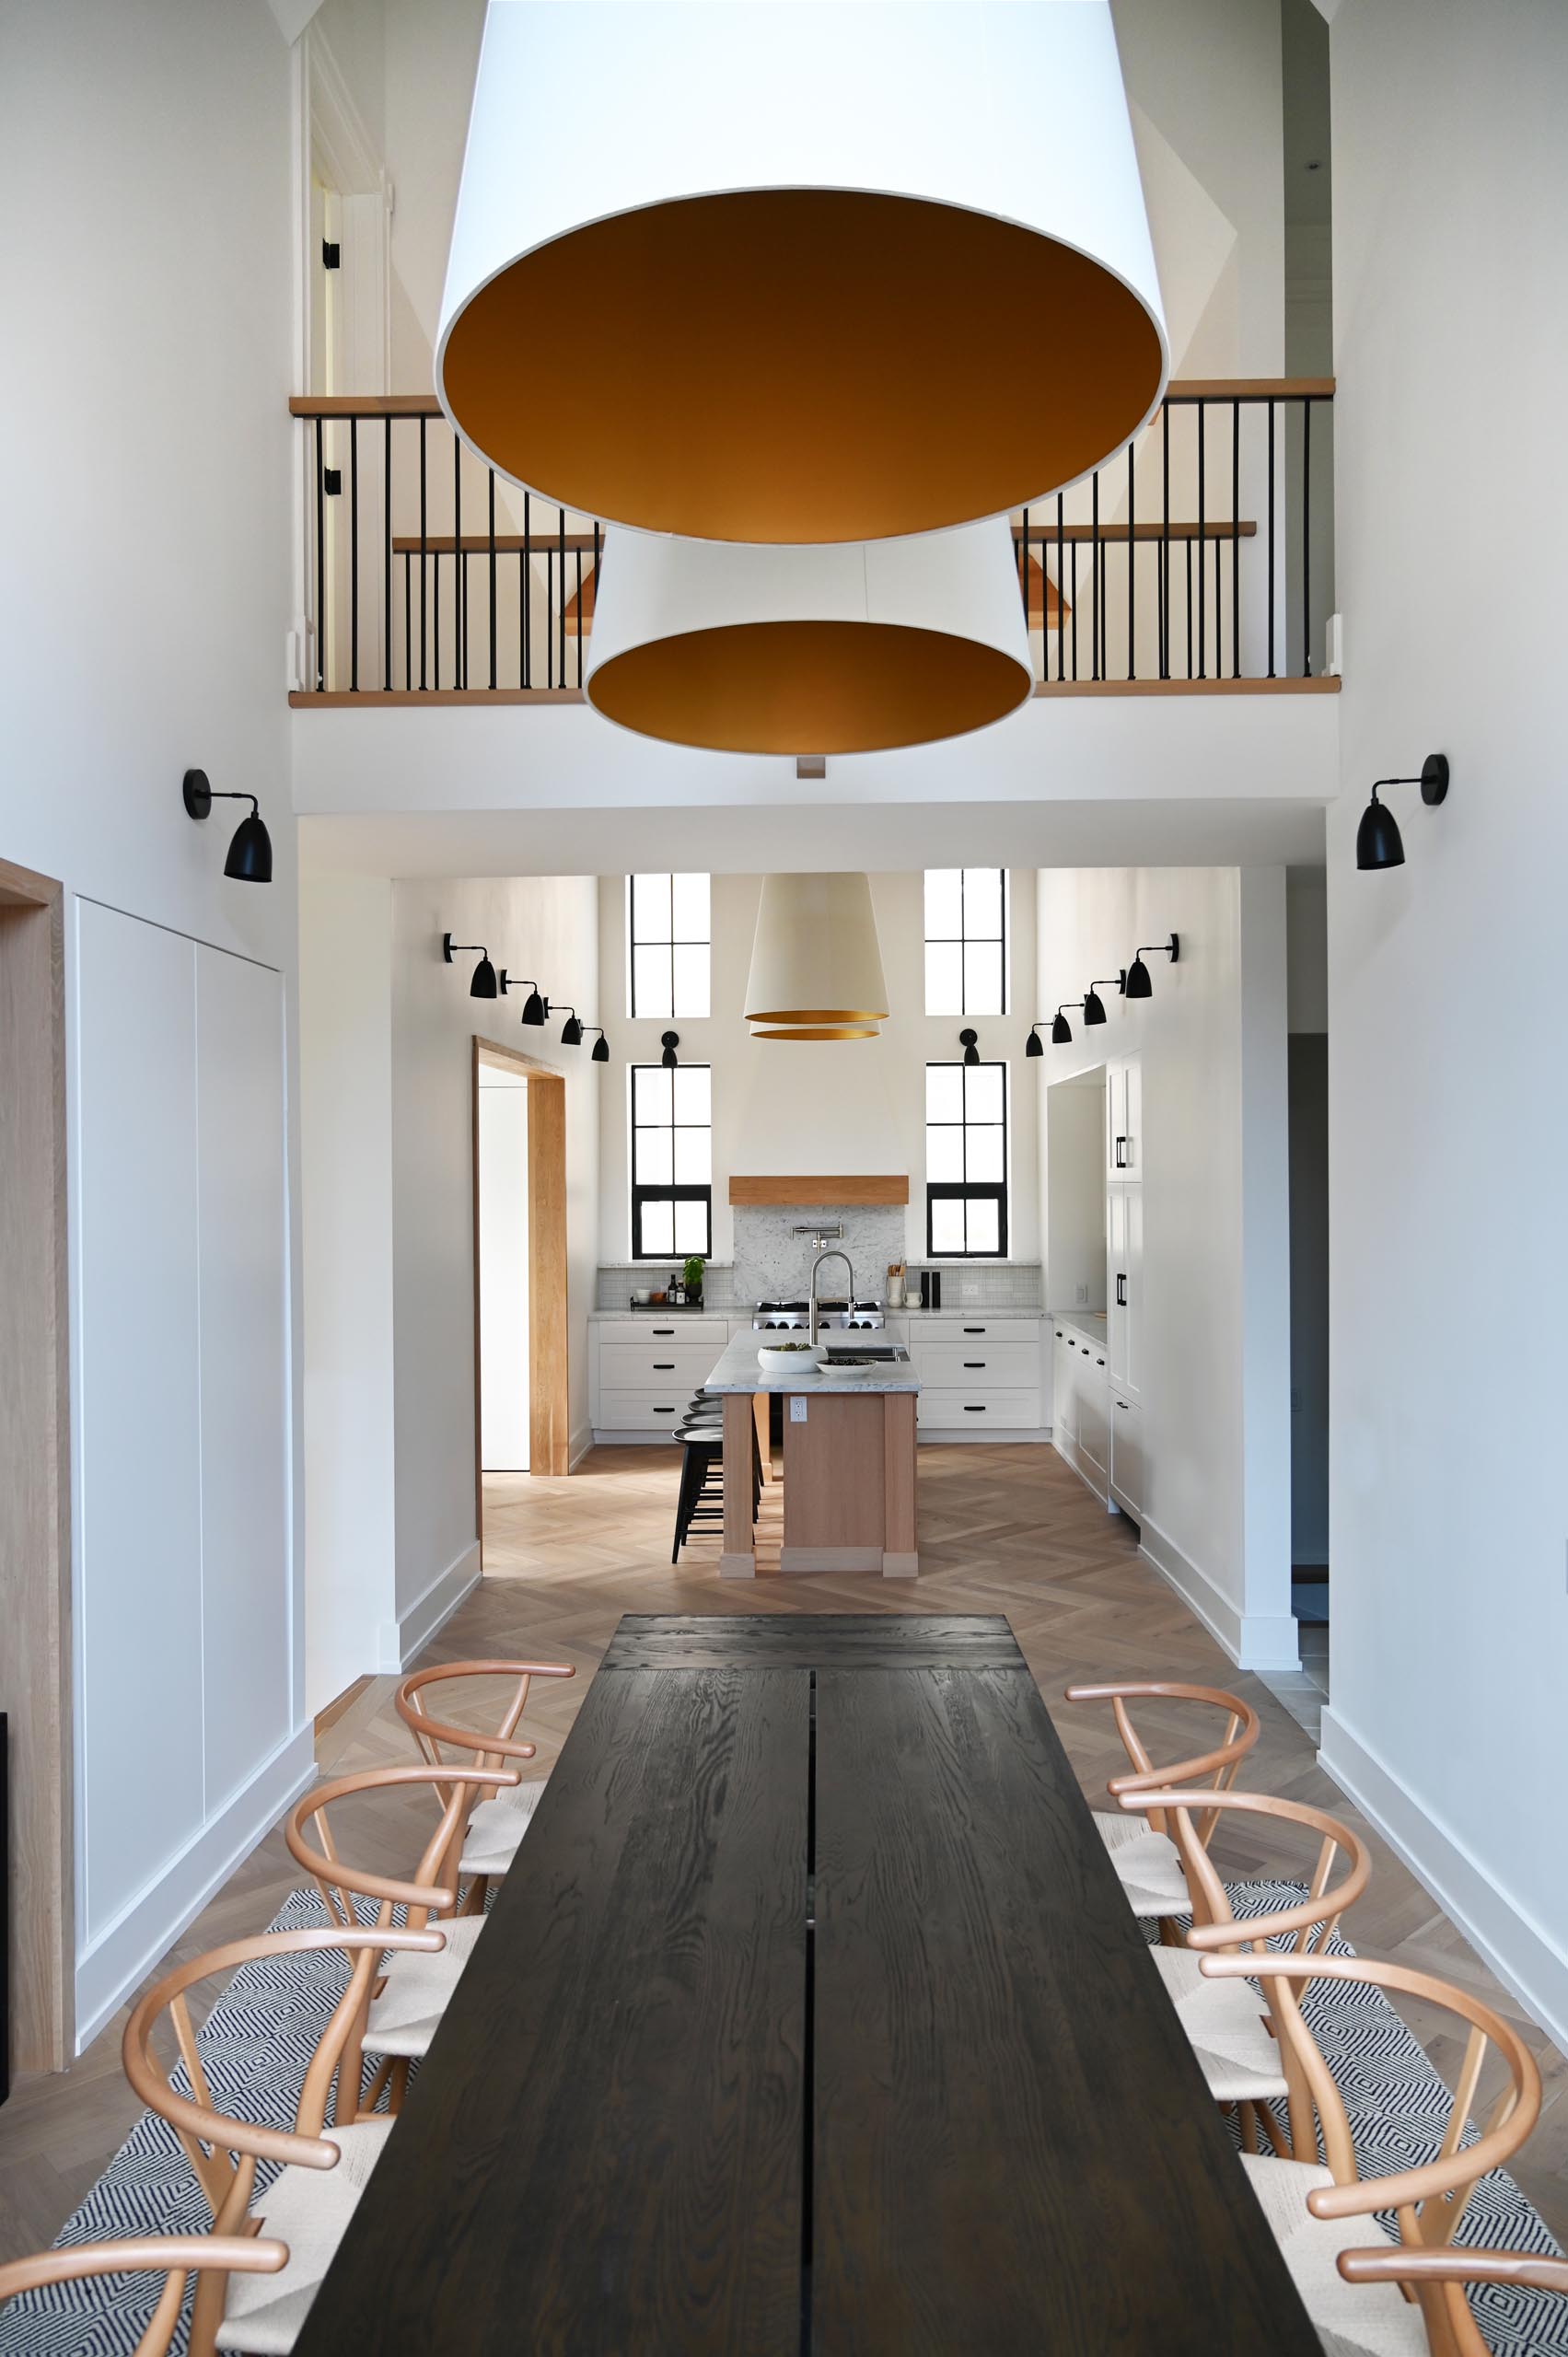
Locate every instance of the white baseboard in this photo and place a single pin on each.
(146, 1927)
(1068, 1451)
(578, 1447)
(401, 1639)
(1259, 1641)
(997, 1439)
(1518, 1951)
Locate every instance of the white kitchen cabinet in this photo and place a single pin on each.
(635, 1333)
(1124, 1286)
(643, 1371)
(979, 1374)
(967, 1366)
(1124, 1118)
(1064, 1401)
(975, 1413)
(1094, 1423)
(1127, 1456)
(946, 1326)
(656, 1366)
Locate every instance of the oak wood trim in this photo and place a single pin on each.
(855, 1194)
(364, 405)
(346, 700)
(550, 1399)
(1249, 389)
(35, 1447)
(1326, 686)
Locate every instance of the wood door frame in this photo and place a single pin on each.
(550, 1408)
(35, 1438)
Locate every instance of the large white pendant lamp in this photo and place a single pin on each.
(843, 649)
(816, 962)
(778, 272)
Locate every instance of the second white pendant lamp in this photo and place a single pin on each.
(816, 962)
(799, 274)
(852, 649)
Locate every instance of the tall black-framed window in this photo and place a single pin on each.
(672, 1162)
(966, 1161)
(966, 941)
(668, 940)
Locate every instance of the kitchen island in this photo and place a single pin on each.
(848, 1461)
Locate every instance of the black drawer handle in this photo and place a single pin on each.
(666, 1411)
(664, 1366)
(663, 1334)
(1123, 1405)
(1100, 1361)
(974, 1411)
(1121, 1292)
(974, 1330)
(1121, 1156)
(974, 1367)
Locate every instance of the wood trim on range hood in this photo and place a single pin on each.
(853, 1193)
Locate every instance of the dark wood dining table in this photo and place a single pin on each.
(810, 2017)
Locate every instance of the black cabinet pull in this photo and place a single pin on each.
(1100, 1361)
(664, 1366)
(1121, 1290)
(663, 1332)
(974, 1367)
(665, 1411)
(974, 1330)
(1123, 1405)
(1121, 1154)
(974, 1411)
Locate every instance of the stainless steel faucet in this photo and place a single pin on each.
(833, 1253)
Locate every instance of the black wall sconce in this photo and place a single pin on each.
(485, 983)
(601, 1045)
(670, 1041)
(1034, 1045)
(971, 1040)
(572, 1030)
(1139, 982)
(1094, 1006)
(535, 1008)
(1377, 841)
(1061, 1030)
(249, 857)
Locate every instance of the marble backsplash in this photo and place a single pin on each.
(773, 1263)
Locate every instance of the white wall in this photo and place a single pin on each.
(345, 1083)
(793, 1107)
(503, 1270)
(546, 928)
(149, 485)
(1450, 1607)
(1073, 1190)
(1212, 1043)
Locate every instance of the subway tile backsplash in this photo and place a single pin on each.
(773, 1263)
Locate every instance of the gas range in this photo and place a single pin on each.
(771, 1315)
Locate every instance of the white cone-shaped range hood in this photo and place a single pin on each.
(791, 274)
(816, 962)
(849, 649)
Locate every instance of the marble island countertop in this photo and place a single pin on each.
(738, 1370)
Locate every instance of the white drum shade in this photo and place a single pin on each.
(809, 650)
(770, 272)
(816, 962)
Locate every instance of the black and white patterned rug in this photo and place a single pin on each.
(265, 2026)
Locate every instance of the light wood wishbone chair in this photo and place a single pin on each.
(496, 1827)
(1318, 2215)
(1238, 2043)
(409, 1998)
(306, 2209)
(1146, 1858)
(178, 2257)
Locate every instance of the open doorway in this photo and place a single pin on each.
(522, 1421)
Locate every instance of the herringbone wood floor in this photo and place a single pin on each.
(1003, 1530)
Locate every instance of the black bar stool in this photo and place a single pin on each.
(700, 1500)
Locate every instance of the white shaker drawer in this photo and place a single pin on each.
(976, 1365)
(655, 1366)
(640, 1412)
(958, 1411)
(976, 1328)
(711, 1332)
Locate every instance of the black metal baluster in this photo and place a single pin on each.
(1202, 412)
(1219, 603)
(408, 622)
(527, 623)
(387, 557)
(1307, 539)
(522, 614)
(354, 555)
(1094, 575)
(579, 618)
(321, 567)
(560, 535)
(460, 574)
(422, 535)
(1236, 540)
(1060, 599)
(1075, 610)
(1188, 542)
(597, 554)
(1132, 572)
(1165, 546)
(549, 618)
(1271, 540)
(491, 580)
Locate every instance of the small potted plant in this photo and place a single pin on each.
(692, 1273)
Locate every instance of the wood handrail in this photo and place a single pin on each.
(1180, 388)
(1045, 535)
(506, 543)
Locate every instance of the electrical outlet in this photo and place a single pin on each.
(1081, 1297)
(797, 1408)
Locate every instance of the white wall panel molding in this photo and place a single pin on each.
(1504, 1934)
(401, 1640)
(1253, 1640)
(130, 1943)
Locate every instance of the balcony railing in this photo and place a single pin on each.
(1197, 558)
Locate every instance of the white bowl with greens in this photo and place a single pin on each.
(790, 1358)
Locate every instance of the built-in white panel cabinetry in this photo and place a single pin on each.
(1127, 1456)
(643, 1371)
(981, 1374)
(1124, 1284)
(185, 1613)
(1124, 1118)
